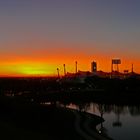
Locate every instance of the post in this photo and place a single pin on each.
(64, 69)
(132, 68)
(58, 73)
(111, 67)
(76, 66)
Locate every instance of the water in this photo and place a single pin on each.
(121, 122)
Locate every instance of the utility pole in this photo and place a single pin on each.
(76, 67)
(64, 69)
(132, 68)
(58, 73)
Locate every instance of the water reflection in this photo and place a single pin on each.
(119, 119)
(83, 107)
(118, 111)
(102, 130)
(134, 110)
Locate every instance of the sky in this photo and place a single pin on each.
(37, 36)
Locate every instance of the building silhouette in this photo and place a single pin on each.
(115, 62)
(93, 67)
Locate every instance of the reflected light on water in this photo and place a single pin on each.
(119, 120)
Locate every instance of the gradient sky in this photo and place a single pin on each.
(37, 36)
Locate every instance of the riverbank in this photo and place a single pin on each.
(31, 121)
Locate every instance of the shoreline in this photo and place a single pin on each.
(47, 121)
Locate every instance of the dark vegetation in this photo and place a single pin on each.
(54, 89)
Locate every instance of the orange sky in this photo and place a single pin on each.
(33, 61)
(37, 36)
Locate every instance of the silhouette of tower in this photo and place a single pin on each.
(58, 72)
(64, 69)
(93, 67)
(76, 67)
(132, 69)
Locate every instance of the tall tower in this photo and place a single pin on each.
(64, 69)
(132, 68)
(75, 66)
(93, 67)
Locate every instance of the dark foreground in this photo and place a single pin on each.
(20, 121)
(24, 115)
(97, 89)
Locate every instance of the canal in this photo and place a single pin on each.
(121, 122)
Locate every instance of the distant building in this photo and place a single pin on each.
(115, 62)
(93, 67)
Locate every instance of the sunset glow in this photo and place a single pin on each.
(37, 37)
(47, 66)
